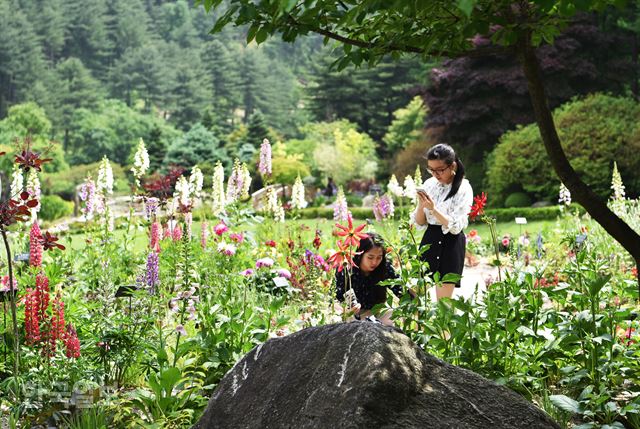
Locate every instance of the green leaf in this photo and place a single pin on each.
(466, 6)
(565, 403)
(262, 35)
(169, 378)
(251, 34)
(525, 330)
(287, 5)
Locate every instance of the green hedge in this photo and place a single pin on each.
(502, 215)
(53, 207)
(327, 213)
(595, 131)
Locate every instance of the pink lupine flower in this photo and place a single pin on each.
(35, 245)
(180, 330)
(248, 272)
(156, 232)
(220, 228)
(176, 234)
(166, 232)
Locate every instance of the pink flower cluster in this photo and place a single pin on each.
(35, 245)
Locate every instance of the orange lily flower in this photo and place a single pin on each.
(353, 235)
(341, 257)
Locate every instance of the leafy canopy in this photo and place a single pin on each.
(370, 29)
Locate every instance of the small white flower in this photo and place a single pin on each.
(297, 195)
(182, 192)
(616, 184)
(564, 195)
(217, 193)
(17, 184)
(410, 188)
(105, 177)
(140, 162)
(195, 182)
(394, 187)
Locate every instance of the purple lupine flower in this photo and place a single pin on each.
(247, 273)
(151, 277)
(265, 158)
(151, 206)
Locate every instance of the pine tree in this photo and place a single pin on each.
(156, 148)
(257, 130)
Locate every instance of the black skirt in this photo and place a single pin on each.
(446, 251)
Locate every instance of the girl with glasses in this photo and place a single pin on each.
(444, 201)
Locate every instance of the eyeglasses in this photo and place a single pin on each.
(438, 171)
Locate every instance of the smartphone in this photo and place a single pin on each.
(423, 192)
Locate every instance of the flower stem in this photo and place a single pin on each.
(12, 295)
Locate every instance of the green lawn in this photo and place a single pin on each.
(389, 230)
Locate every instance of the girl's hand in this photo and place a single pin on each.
(425, 201)
(356, 308)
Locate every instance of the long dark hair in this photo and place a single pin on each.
(366, 244)
(444, 152)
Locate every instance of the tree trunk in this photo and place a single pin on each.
(580, 192)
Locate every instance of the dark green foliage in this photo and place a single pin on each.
(594, 131)
(21, 61)
(257, 130)
(53, 207)
(473, 101)
(156, 148)
(196, 146)
(517, 199)
(365, 96)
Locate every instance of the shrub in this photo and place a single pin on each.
(53, 207)
(518, 199)
(594, 131)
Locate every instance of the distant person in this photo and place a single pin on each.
(372, 267)
(444, 202)
(331, 188)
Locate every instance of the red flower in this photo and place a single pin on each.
(35, 245)
(342, 256)
(31, 317)
(634, 272)
(477, 209)
(353, 235)
(270, 243)
(316, 241)
(71, 343)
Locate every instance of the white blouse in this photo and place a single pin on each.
(456, 209)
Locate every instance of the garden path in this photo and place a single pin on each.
(473, 276)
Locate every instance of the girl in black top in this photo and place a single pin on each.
(372, 267)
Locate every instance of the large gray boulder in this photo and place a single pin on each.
(359, 375)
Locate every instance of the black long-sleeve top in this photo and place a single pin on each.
(368, 291)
